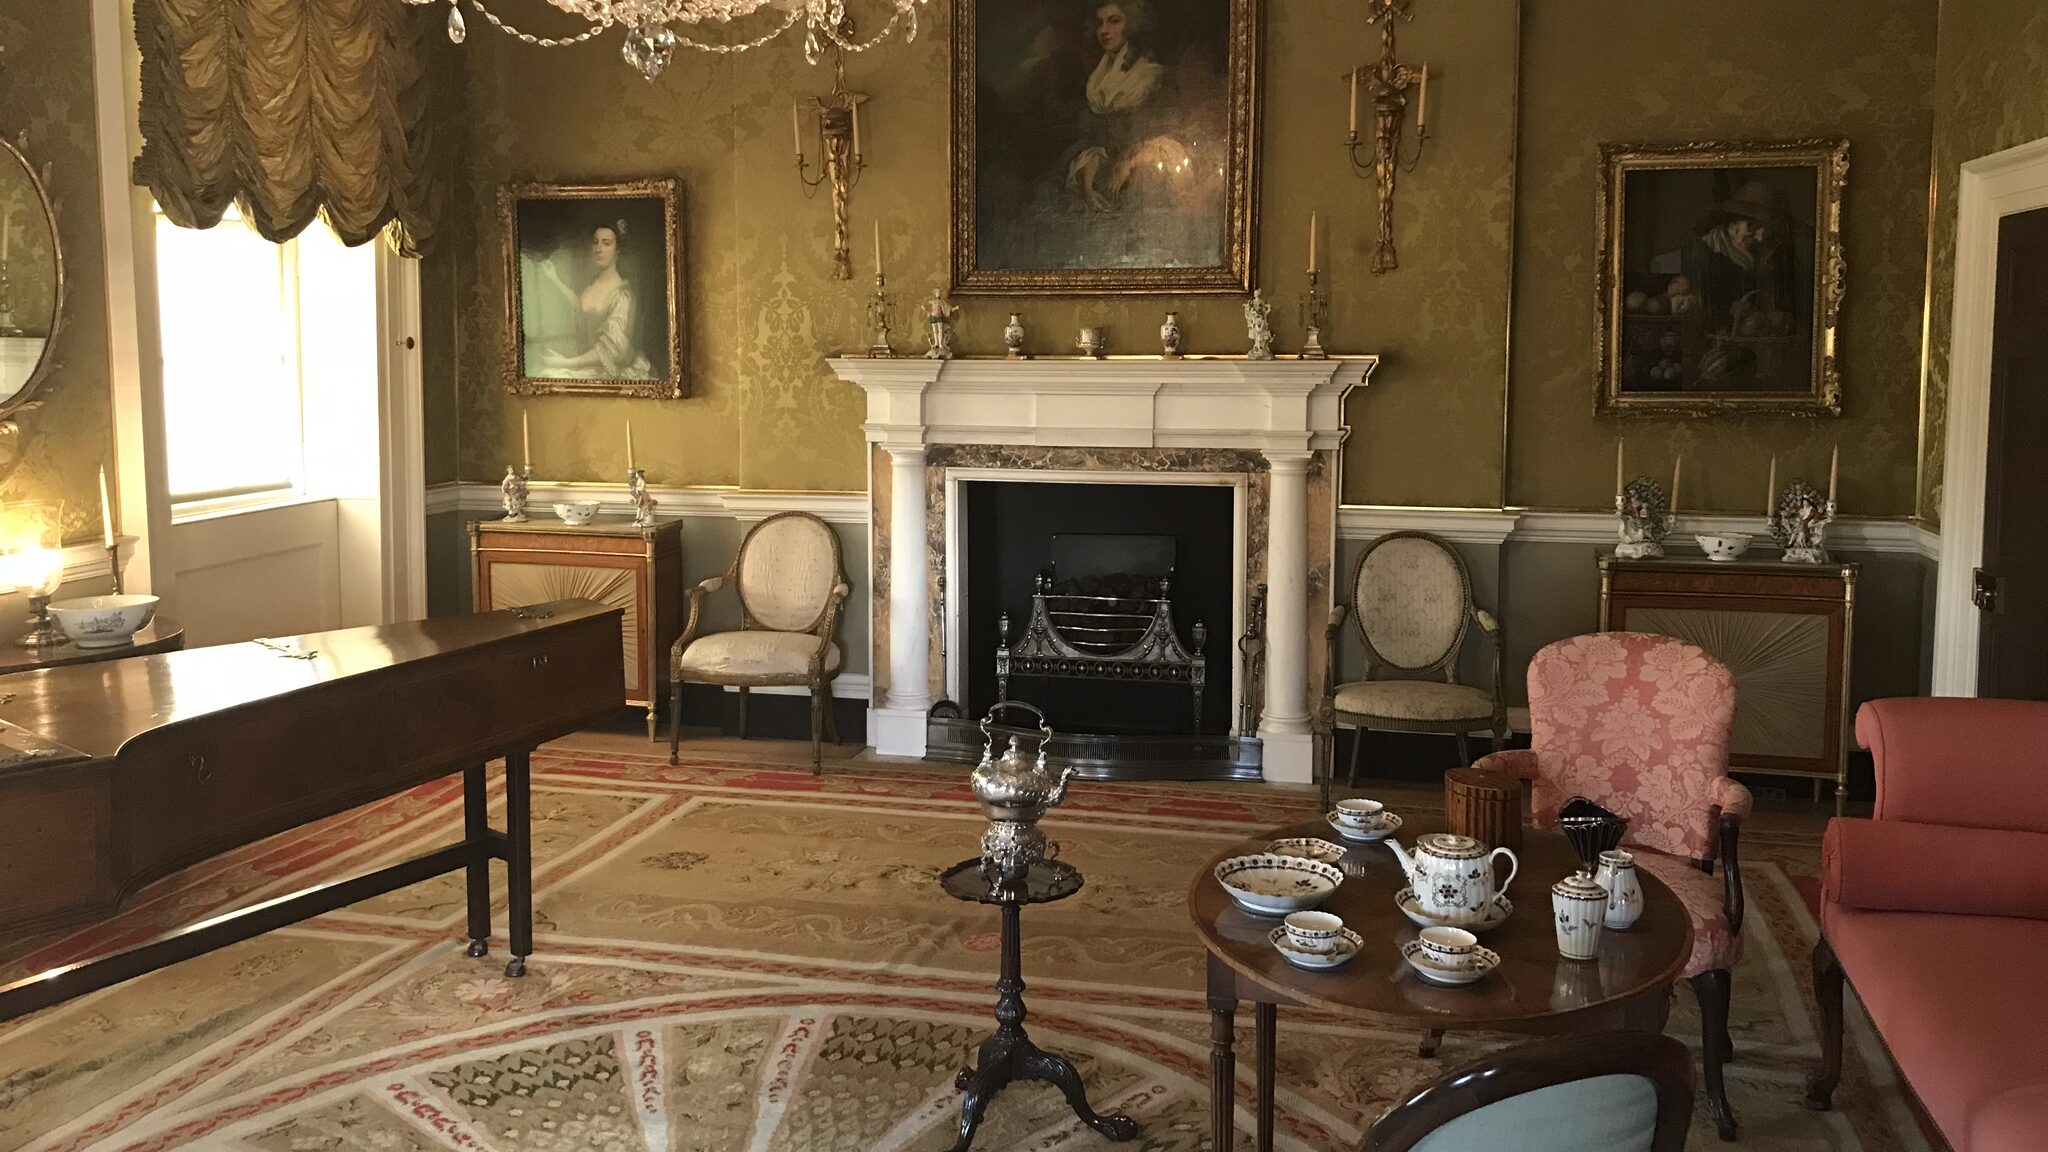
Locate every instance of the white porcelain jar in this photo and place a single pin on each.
(1580, 906)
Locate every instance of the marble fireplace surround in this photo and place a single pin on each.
(1269, 428)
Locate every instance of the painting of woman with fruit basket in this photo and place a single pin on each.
(1721, 276)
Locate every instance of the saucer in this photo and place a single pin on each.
(1484, 960)
(1390, 823)
(1497, 913)
(1347, 947)
(1307, 847)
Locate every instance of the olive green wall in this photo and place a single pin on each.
(46, 89)
(1990, 93)
(1553, 78)
(1741, 69)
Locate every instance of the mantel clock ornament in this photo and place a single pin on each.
(31, 281)
(593, 288)
(1104, 148)
(1387, 84)
(1720, 277)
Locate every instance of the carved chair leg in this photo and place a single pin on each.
(675, 718)
(1500, 737)
(1464, 748)
(1357, 749)
(743, 712)
(1827, 996)
(1712, 989)
(817, 729)
(1432, 1042)
(831, 717)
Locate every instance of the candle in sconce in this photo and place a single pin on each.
(856, 128)
(106, 511)
(1771, 490)
(878, 247)
(629, 445)
(1676, 466)
(525, 442)
(1834, 466)
(796, 129)
(1312, 267)
(1619, 443)
(1354, 103)
(1422, 102)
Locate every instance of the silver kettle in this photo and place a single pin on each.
(1017, 785)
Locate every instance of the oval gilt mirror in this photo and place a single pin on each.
(31, 279)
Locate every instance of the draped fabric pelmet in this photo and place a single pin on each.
(293, 109)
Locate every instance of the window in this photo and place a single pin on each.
(228, 303)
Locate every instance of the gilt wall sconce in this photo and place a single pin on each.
(840, 160)
(1386, 85)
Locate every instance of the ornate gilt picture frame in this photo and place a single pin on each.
(1105, 148)
(593, 288)
(1720, 277)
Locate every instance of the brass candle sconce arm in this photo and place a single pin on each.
(1378, 155)
(840, 160)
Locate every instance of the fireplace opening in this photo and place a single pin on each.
(1103, 586)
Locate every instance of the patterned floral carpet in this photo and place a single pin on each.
(734, 957)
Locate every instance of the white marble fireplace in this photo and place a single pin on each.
(1270, 429)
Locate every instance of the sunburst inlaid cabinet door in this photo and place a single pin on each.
(515, 584)
(1780, 661)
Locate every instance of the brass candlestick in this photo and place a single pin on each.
(1387, 83)
(1315, 312)
(840, 163)
(878, 316)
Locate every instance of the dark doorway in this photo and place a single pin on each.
(2012, 583)
(1015, 530)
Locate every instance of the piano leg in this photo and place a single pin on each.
(518, 861)
(476, 827)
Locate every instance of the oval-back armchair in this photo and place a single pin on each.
(791, 581)
(1411, 603)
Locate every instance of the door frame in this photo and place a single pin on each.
(402, 465)
(1992, 188)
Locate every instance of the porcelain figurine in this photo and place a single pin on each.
(939, 314)
(1013, 336)
(1169, 336)
(1453, 875)
(1646, 520)
(643, 500)
(512, 491)
(1617, 875)
(1580, 906)
(1258, 323)
(1799, 523)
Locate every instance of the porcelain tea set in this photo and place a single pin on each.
(1454, 892)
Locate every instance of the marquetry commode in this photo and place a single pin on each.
(609, 560)
(1782, 629)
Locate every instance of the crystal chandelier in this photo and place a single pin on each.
(652, 34)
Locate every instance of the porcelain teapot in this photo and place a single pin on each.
(1452, 875)
(1017, 786)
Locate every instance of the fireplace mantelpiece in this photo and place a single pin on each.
(1290, 412)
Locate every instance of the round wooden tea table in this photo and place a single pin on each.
(1534, 990)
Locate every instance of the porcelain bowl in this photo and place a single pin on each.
(1266, 884)
(1724, 546)
(103, 621)
(577, 511)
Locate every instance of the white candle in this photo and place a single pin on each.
(1834, 465)
(1312, 242)
(1675, 466)
(1771, 491)
(1422, 101)
(6, 227)
(629, 445)
(878, 247)
(1619, 442)
(856, 129)
(796, 129)
(106, 510)
(525, 441)
(1354, 103)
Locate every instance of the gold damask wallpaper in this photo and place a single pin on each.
(1548, 79)
(46, 89)
(1740, 69)
(1989, 87)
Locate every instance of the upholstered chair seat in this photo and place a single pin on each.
(754, 654)
(790, 583)
(1640, 724)
(1424, 700)
(1411, 603)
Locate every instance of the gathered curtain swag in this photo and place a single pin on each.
(294, 109)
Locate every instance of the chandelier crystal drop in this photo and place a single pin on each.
(653, 28)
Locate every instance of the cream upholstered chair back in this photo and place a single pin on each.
(1412, 599)
(787, 568)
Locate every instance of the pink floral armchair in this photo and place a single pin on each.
(1640, 724)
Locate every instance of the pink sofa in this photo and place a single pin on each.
(1937, 910)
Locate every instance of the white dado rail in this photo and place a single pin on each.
(1285, 409)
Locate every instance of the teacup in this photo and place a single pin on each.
(1452, 948)
(1361, 814)
(1313, 931)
